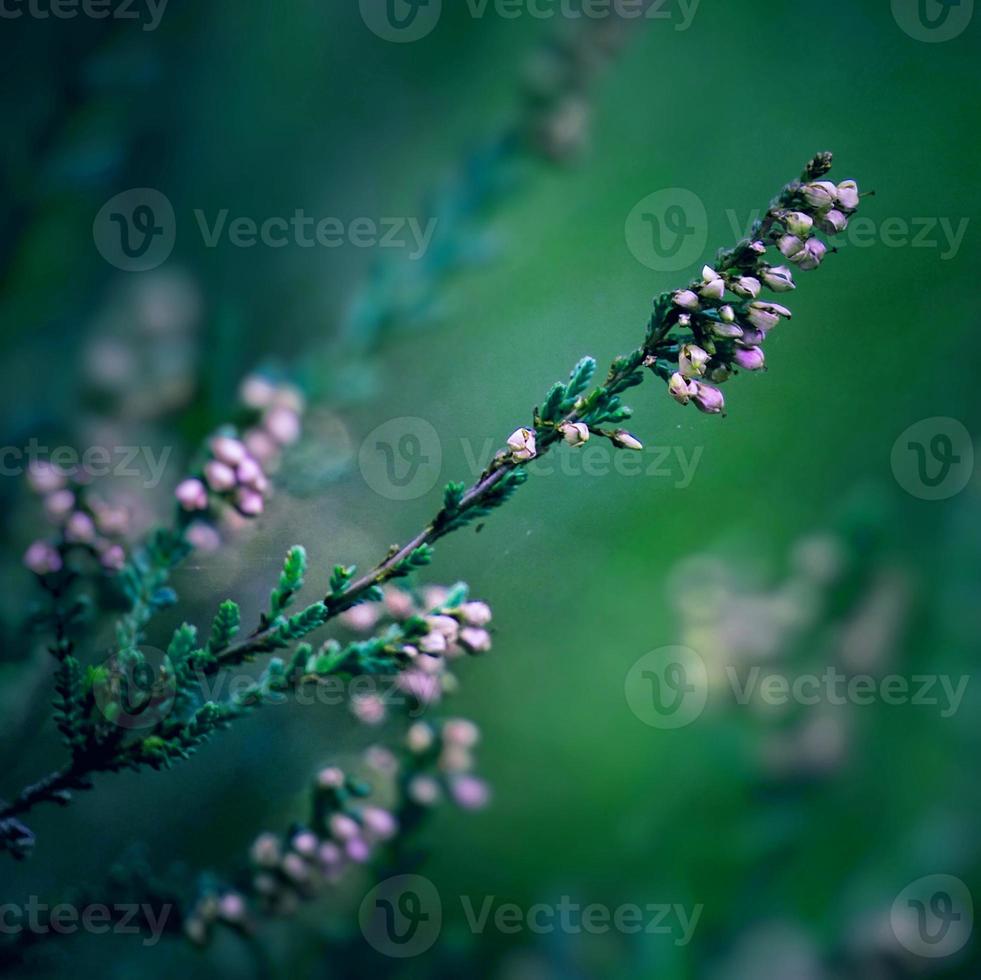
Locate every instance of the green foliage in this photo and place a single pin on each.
(225, 626)
(290, 581)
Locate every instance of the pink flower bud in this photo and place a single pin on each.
(249, 502)
(433, 643)
(749, 358)
(250, 473)
(305, 843)
(357, 849)
(475, 640)
(378, 824)
(80, 528)
(220, 476)
(231, 908)
(59, 505)
(575, 433)
(779, 278)
(342, 827)
(45, 477)
(820, 194)
(369, 709)
(192, 495)
(41, 558)
(476, 613)
(790, 245)
(834, 222)
(686, 299)
(470, 792)
(330, 777)
(227, 450)
(283, 424)
(811, 256)
(203, 536)
(708, 399)
(257, 391)
(462, 732)
(747, 286)
(113, 558)
(424, 790)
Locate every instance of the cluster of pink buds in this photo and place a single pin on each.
(237, 469)
(443, 759)
(288, 870)
(722, 321)
(226, 908)
(83, 521)
(453, 632)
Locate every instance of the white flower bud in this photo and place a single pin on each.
(728, 314)
(686, 299)
(419, 737)
(680, 389)
(476, 640)
(847, 194)
(626, 440)
(575, 433)
(692, 360)
(521, 442)
(779, 278)
(714, 287)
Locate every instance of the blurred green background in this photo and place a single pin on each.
(263, 110)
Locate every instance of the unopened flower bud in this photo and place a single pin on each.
(424, 790)
(42, 558)
(790, 246)
(227, 450)
(820, 194)
(847, 195)
(476, 613)
(220, 476)
(713, 286)
(798, 223)
(521, 442)
(379, 824)
(626, 440)
(433, 643)
(330, 777)
(461, 731)
(476, 640)
(779, 278)
(419, 738)
(680, 389)
(80, 528)
(113, 558)
(692, 360)
(192, 495)
(708, 399)
(686, 299)
(249, 502)
(231, 908)
(746, 286)
(749, 358)
(727, 331)
(470, 792)
(758, 247)
(343, 827)
(575, 433)
(283, 424)
(811, 256)
(305, 843)
(834, 222)
(265, 851)
(295, 868)
(727, 314)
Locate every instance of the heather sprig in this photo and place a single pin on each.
(694, 333)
